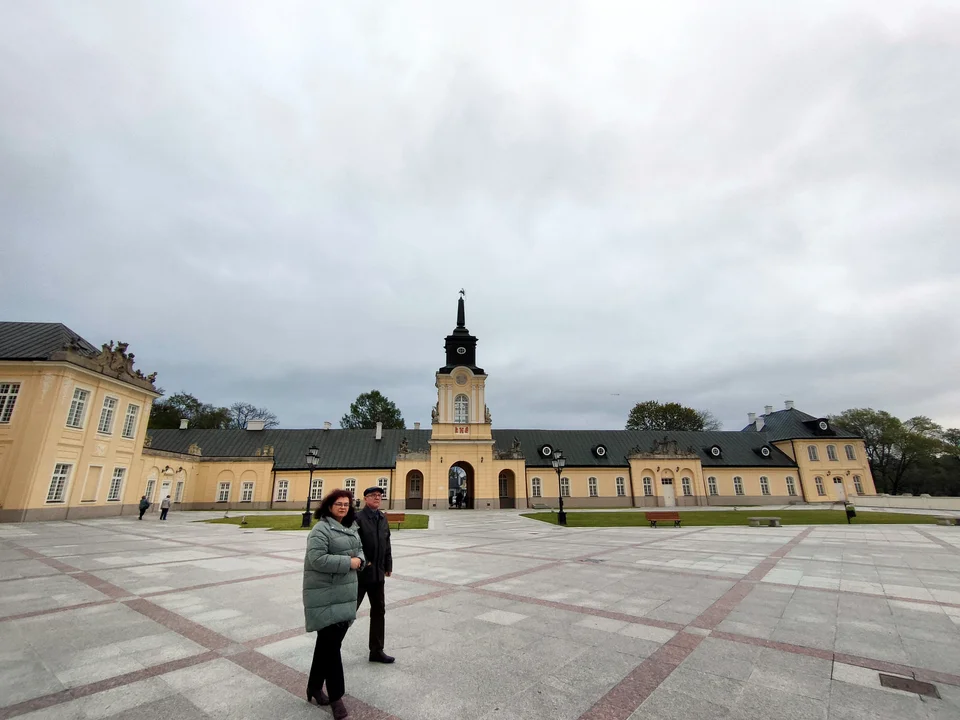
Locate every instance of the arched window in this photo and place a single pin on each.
(382, 484)
(592, 486)
(712, 485)
(687, 490)
(738, 485)
(791, 486)
(820, 490)
(621, 487)
(461, 409)
(536, 488)
(812, 453)
(350, 485)
(857, 484)
(648, 486)
(832, 452)
(851, 453)
(316, 488)
(565, 487)
(764, 485)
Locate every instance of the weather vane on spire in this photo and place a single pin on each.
(462, 292)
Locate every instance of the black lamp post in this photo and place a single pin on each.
(313, 459)
(558, 462)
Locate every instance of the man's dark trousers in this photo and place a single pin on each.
(378, 611)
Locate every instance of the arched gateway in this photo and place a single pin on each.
(462, 486)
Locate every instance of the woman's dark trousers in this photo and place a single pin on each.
(327, 665)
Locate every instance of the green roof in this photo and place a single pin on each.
(38, 341)
(793, 424)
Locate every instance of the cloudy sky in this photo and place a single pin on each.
(723, 204)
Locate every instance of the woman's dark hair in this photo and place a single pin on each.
(326, 507)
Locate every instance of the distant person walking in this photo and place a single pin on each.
(164, 507)
(375, 535)
(144, 505)
(334, 557)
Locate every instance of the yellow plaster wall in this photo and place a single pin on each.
(828, 469)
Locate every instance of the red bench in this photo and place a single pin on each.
(653, 517)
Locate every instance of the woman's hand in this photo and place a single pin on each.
(355, 563)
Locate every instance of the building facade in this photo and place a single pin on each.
(781, 456)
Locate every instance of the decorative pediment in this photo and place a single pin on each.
(514, 453)
(265, 451)
(113, 360)
(660, 449)
(194, 449)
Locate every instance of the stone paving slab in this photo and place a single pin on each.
(491, 615)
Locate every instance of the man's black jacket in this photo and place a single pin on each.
(375, 536)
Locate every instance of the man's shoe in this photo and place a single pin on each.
(381, 657)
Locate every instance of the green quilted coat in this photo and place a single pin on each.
(329, 585)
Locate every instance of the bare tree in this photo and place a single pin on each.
(242, 412)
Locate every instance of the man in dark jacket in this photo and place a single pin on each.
(375, 536)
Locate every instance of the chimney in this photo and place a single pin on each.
(183, 423)
(416, 426)
(760, 423)
(326, 425)
(788, 405)
(751, 418)
(379, 431)
(255, 424)
(767, 409)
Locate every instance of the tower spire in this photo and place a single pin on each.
(461, 315)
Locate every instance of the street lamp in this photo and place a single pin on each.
(313, 459)
(558, 462)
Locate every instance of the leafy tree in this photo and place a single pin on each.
(167, 413)
(951, 441)
(241, 412)
(653, 415)
(369, 409)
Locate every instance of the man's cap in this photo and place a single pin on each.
(374, 489)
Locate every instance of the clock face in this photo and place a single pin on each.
(461, 350)
(461, 379)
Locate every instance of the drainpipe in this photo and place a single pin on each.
(633, 496)
(273, 485)
(803, 488)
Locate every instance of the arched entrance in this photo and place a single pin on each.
(461, 490)
(508, 489)
(414, 493)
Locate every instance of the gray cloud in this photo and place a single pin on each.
(724, 206)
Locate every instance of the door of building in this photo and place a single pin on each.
(839, 489)
(669, 498)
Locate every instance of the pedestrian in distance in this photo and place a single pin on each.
(164, 507)
(375, 535)
(334, 557)
(144, 505)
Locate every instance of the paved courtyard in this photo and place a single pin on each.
(490, 616)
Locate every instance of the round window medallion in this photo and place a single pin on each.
(461, 350)
(461, 379)
(823, 424)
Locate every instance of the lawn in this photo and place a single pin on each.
(292, 522)
(735, 517)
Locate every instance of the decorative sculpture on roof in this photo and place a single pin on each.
(515, 447)
(665, 447)
(486, 415)
(404, 447)
(435, 413)
(118, 362)
(147, 441)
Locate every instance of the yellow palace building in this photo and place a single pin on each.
(74, 444)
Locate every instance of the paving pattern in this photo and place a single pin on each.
(491, 616)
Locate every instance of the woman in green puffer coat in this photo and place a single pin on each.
(334, 556)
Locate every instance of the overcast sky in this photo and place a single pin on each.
(724, 204)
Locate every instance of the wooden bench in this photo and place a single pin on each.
(541, 506)
(653, 517)
(768, 521)
(948, 520)
(396, 518)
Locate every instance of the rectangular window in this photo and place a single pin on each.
(106, 416)
(832, 452)
(78, 408)
(738, 485)
(8, 398)
(687, 490)
(621, 487)
(382, 484)
(151, 484)
(592, 486)
(565, 487)
(116, 484)
(791, 487)
(648, 486)
(820, 490)
(851, 453)
(223, 492)
(812, 453)
(58, 483)
(130, 421)
(316, 488)
(92, 486)
(764, 486)
(283, 487)
(503, 487)
(535, 488)
(712, 485)
(178, 496)
(350, 485)
(246, 492)
(858, 484)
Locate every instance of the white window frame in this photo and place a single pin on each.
(107, 413)
(151, 487)
(77, 413)
(648, 486)
(832, 453)
(246, 491)
(283, 490)
(738, 485)
(223, 491)
(851, 452)
(461, 409)
(791, 486)
(858, 484)
(712, 485)
(592, 488)
(59, 481)
(812, 453)
(536, 487)
(687, 487)
(621, 487)
(821, 491)
(564, 487)
(178, 493)
(130, 421)
(384, 484)
(764, 485)
(9, 392)
(350, 485)
(115, 493)
(316, 488)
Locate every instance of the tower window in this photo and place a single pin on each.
(461, 409)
